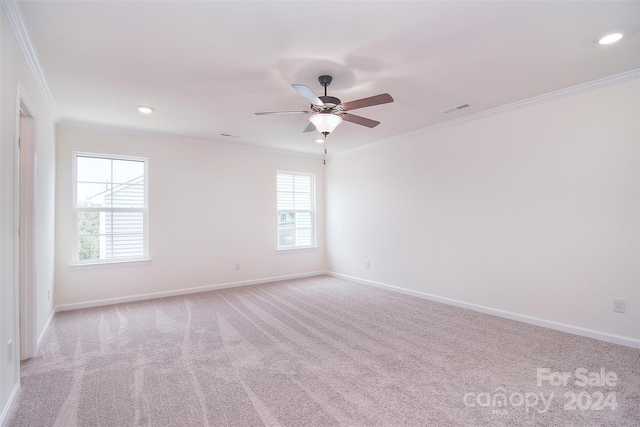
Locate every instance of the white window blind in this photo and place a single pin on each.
(110, 207)
(296, 209)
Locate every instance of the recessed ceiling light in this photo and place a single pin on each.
(611, 38)
(145, 110)
(319, 140)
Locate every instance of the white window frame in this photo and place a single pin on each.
(145, 212)
(312, 211)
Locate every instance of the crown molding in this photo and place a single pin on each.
(572, 90)
(12, 10)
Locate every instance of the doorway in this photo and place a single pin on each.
(26, 224)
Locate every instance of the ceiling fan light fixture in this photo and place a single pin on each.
(325, 122)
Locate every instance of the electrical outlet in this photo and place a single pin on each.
(237, 266)
(10, 351)
(618, 305)
(367, 265)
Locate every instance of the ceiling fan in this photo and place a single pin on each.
(327, 112)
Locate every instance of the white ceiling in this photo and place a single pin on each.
(207, 66)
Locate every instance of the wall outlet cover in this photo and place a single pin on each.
(618, 305)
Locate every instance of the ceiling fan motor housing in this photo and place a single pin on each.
(330, 102)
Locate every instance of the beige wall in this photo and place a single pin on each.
(533, 211)
(211, 205)
(14, 71)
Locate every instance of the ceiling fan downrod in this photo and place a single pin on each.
(325, 81)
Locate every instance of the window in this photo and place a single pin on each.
(296, 210)
(110, 208)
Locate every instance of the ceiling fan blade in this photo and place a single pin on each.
(367, 102)
(310, 128)
(308, 93)
(271, 113)
(359, 120)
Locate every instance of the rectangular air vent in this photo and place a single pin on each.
(457, 107)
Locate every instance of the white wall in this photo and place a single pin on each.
(211, 205)
(534, 211)
(14, 71)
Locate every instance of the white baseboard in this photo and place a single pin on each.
(44, 330)
(576, 330)
(6, 412)
(141, 297)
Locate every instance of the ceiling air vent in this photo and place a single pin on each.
(457, 107)
(228, 135)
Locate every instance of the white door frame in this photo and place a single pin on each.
(25, 223)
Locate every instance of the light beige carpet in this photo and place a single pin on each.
(318, 352)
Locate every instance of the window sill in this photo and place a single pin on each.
(108, 264)
(305, 248)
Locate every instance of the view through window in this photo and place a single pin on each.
(296, 209)
(110, 207)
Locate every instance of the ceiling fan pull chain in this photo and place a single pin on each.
(324, 161)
